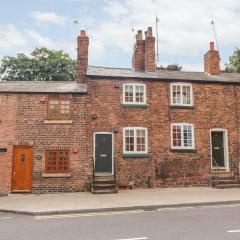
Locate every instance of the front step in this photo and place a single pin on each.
(104, 184)
(227, 186)
(224, 180)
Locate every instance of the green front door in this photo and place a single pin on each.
(218, 149)
(103, 153)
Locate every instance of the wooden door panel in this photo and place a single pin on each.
(103, 153)
(22, 169)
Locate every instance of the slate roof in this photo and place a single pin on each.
(42, 87)
(104, 72)
(162, 75)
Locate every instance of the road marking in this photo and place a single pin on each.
(233, 231)
(2, 218)
(75, 215)
(141, 238)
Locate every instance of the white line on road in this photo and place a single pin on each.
(141, 238)
(233, 231)
(2, 218)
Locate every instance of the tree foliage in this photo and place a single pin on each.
(171, 67)
(234, 62)
(42, 65)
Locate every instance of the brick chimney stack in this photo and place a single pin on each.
(150, 63)
(138, 59)
(212, 61)
(143, 58)
(82, 56)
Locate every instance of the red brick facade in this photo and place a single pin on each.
(24, 121)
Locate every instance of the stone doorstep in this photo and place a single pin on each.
(3, 194)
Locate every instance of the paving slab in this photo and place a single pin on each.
(40, 204)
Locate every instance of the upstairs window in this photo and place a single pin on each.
(134, 93)
(181, 94)
(58, 109)
(57, 161)
(135, 140)
(182, 136)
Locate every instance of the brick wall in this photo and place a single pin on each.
(7, 139)
(214, 107)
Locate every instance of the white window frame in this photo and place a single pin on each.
(182, 136)
(135, 140)
(181, 94)
(134, 94)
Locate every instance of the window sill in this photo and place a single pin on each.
(135, 155)
(56, 175)
(58, 121)
(132, 105)
(181, 150)
(181, 107)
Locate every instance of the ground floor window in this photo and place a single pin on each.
(182, 136)
(57, 161)
(135, 140)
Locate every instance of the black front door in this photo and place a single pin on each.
(103, 153)
(217, 149)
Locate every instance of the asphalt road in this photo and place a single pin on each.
(198, 223)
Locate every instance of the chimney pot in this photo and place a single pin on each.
(211, 46)
(149, 32)
(139, 35)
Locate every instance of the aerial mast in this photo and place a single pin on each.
(157, 54)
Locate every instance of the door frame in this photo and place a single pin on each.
(94, 143)
(226, 150)
(13, 164)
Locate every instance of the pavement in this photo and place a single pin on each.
(146, 199)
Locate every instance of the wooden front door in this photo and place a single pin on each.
(218, 149)
(22, 169)
(103, 153)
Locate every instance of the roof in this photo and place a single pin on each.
(162, 75)
(42, 87)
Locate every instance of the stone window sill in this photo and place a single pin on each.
(58, 121)
(56, 175)
(184, 150)
(181, 107)
(135, 155)
(126, 105)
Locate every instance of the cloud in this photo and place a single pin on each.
(48, 17)
(184, 26)
(11, 38)
(14, 40)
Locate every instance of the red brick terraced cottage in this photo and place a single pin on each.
(121, 127)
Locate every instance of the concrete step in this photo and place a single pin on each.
(223, 178)
(104, 186)
(105, 191)
(104, 178)
(226, 186)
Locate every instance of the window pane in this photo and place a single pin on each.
(176, 136)
(128, 93)
(176, 94)
(186, 94)
(139, 93)
(65, 110)
(129, 140)
(141, 141)
(187, 136)
(52, 161)
(53, 109)
(63, 161)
